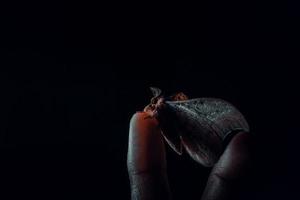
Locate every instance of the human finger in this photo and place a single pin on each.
(146, 159)
(228, 173)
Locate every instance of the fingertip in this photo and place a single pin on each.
(146, 153)
(140, 115)
(240, 143)
(236, 158)
(143, 119)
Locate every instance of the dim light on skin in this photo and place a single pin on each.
(146, 159)
(146, 163)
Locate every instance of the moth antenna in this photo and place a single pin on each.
(155, 91)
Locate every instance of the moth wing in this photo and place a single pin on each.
(205, 123)
(173, 141)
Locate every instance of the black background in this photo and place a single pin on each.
(73, 73)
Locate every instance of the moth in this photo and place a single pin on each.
(200, 126)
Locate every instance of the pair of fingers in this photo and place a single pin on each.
(146, 163)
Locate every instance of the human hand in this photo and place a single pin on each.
(147, 167)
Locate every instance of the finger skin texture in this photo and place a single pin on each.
(230, 171)
(146, 159)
